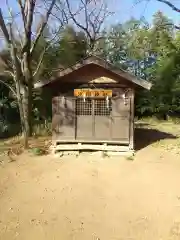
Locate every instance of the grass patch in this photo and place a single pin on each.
(14, 146)
(38, 151)
(130, 158)
(168, 126)
(160, 138)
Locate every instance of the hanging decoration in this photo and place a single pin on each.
(84, 97)
(125, 96)
(107, 102)
(63, 100)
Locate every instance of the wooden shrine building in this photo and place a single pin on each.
(93, 106)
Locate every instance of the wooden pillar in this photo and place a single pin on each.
(131, 132)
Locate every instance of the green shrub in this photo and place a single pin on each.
(37, 151)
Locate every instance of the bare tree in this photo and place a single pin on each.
(22, 56)
(89, 16)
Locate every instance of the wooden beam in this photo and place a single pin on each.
(104, 85)
(131, 131)
(58, 139)
(91, 147)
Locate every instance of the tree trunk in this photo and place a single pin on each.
(28, 94)
(24, 124)
(21, 104)
(30, 108)
(26, 115)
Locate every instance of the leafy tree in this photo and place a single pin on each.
(163, 72)
(71, 47)
(152, 53)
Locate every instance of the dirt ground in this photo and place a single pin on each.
(92, 198)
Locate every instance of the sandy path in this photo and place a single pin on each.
(90, 198)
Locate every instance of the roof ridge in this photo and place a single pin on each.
(102, 63)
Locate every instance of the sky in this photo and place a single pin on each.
(125, 9)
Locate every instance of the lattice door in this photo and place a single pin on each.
(102, 119)
(84, 116)
(93, 119)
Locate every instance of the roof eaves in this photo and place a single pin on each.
(101, 62)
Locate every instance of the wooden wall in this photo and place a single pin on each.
(64, 119)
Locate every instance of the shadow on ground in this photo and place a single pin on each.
(145, 136)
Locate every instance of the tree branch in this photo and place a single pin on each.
(4, 28)
(15, 60)
(61, 15)
(97, 21)
(10, 73)
(9, 38)
(76, 22)
(14, 22)
(66, 18)
(30, 15)
(22, 12)
(27, 16)
(85, 13)
(47, 46)
(9, 86)
(43, 26)
(40, 62)
(170, 5)
(177, 27)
